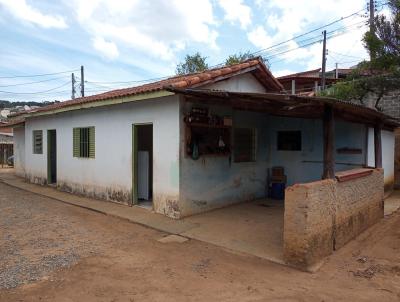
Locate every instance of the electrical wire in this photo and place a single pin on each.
(37, 75)
(29, 83)
(36, 92)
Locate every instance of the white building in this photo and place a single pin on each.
(192, 143)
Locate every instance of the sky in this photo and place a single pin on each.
(138, 40)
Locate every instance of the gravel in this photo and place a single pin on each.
(37, 238)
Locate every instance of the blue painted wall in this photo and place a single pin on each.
(212, 182)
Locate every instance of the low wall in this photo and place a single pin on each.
(322, 216)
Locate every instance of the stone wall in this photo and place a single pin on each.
(322, 216)
(389, 104)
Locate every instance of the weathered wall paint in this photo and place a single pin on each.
(388, 139)
(213, 182)
(306, 165)
(19, 151)
(109, 175)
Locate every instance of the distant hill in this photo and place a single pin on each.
(8, 104)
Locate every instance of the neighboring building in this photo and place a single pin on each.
(192, 143)
(309, 82)
(6, 142)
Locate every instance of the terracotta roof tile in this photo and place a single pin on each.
(184, 81)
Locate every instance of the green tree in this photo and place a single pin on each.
(238, 57)
(191, 64)
(381, 74)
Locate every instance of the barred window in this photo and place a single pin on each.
(244, 144)
(37, 141)
(84, 142)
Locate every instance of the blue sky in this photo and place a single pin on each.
(122, 40)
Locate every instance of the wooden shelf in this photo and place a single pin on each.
(207, 126)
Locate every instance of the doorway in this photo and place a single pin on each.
(51, 157)
(143, 165)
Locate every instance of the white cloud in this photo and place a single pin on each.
(108, 49)
(286, 19)
(157, 28)
(259, 37)
(283, 72)
(23, 11)
(235, 10)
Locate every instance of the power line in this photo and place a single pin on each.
(29, 83)
(36, 92)
(37, 75)
(345, 55)
(311, 31)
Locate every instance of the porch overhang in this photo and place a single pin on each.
(290, 105)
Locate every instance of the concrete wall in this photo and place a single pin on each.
(109, 175)
(322, 216)
(213, 182)
(388, 139)
(306, 165)
(19, 151)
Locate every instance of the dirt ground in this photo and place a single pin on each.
(50, 251)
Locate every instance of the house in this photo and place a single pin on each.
(192, 143)
(6, 142)
(309, 82)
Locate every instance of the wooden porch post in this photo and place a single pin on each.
(329, 143)
(378, 145)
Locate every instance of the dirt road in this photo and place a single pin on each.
(50, 251)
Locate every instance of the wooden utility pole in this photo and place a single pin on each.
(73, 86)
(323, 62)
(82, 82)
(329, 143)
(372, 23)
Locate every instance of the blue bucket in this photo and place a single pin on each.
(278, 190)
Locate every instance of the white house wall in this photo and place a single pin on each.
(388, 139)
(19, 151)
(240, 83)
(109, 174)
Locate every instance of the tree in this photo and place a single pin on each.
(239, 57)
(191, 64)
(373, 79)
(243, 56)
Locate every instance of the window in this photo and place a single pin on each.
(244, 145)
(289, 140)
(84, 142)
(37, 141)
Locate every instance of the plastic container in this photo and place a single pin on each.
(278, 190)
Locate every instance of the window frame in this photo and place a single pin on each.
(35, 135)
(252, 152)
(84, 143)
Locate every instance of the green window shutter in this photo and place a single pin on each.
(76, 142)
(92, 144)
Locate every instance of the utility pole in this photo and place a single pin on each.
(323, 62)
(73, 86)
(372, 23)
(82, 82)
(336, 71)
